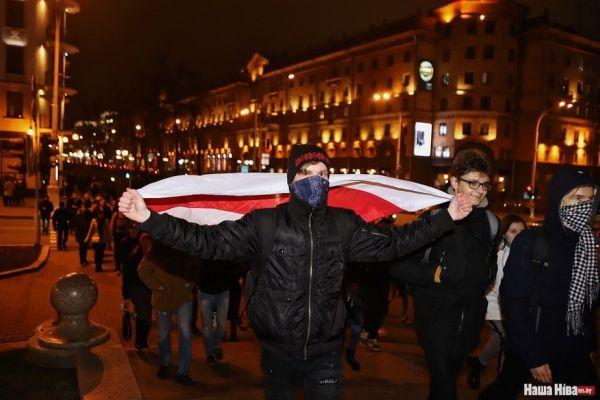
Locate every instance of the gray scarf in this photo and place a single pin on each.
(585, 277)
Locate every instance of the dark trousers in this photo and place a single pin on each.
(320, 377)
(99, 254)
(443, 370)
(45, 224)
(141, 297)
(570, 371)
(116, 252)
(83, 247)
(375, 302)
(353, 322)
(62, 235)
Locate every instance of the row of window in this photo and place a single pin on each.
(485, 103)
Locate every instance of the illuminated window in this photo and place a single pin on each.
(486, 78)
(438, 151)
(446, 152)
(443, 129)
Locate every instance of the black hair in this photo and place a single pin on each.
(468, 161)
(505, 224)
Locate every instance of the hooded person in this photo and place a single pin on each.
(297, 252)
(549, 293)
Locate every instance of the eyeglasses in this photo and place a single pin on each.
(476, 184)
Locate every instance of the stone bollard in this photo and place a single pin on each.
(57, 341)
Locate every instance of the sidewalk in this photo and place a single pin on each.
(24, 212)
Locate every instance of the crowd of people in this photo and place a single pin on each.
(317, 281)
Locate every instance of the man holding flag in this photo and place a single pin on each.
(298, 252)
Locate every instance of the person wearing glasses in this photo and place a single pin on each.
(450, 277)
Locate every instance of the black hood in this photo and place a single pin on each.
(562, 183)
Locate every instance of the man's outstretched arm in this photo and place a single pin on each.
(230, 240)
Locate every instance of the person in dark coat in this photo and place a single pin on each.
(81, 225)
(550, 310)
(297, 308)
(45, 207)
(133, 247)
(450, 278)
(61, 220)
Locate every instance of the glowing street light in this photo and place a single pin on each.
(244, 112)
(291, 76)
(138, 127)
(177, 121)
(377, 96)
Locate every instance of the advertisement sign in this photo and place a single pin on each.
(422, 146)
(426, 74)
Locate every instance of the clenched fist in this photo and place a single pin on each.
(132, 205)
(460, 206)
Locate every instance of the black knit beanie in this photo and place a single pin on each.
(301, 154)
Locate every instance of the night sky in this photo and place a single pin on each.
(130, 48)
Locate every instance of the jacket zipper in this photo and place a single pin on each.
(310, 275)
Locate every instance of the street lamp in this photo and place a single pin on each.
(561, 105)
(387, 96)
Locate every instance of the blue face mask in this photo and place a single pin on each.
(312, 190)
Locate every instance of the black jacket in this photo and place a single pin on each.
(545, 341)
(449, 315)
(297, 308)
(61, 218)
(81, 225)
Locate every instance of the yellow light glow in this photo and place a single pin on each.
(30, 131)
(411, 92)
(304, 137)
(541, 152)
(337, 135)
(177, 121)
(460, 92)
(570, 105)
(325, 136)
(569, 138)
(554, 156)
(75, 136)
(376, 96)
(481, 17)
(500, 179)
(41, 92)
(561, 103)
(386, 96)
(244, 112)
(138, 127)
(291, 76)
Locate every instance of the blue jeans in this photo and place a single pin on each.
(184, 318)
(207, 303)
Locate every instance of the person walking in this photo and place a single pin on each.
(45, 208)
(81, 226)
(9, 192)
(549, 293)
(171, 276)
(213, 294)
(450, 278)
(119, 226)
(98, 235)
(61, 222)
(133, 248)
(510, 226)
(298, 251)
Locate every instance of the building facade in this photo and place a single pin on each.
(406, 98)
(26, 78)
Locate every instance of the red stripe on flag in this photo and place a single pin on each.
(369, 206)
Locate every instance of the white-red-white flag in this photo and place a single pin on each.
(210, 199)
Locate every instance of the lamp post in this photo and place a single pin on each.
(561, 105)
(387, 96)
(177, 124)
